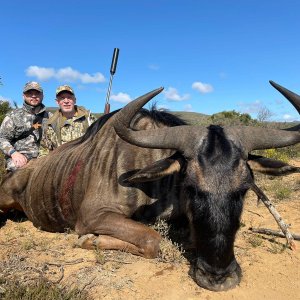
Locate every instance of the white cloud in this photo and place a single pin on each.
(95, 78)
(67, 74)
(173, 95)
(40, 73)
(188, 107)
(162, 107)
(201, 87)
(252, 107)
(121, 97)
(287, 117)
(64, 74)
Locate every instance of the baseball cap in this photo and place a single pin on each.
(64, 88)
(32, 85)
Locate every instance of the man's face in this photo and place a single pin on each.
(66, 102)
(33, 97)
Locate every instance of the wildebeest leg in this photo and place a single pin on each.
(13, 185)
(120, 233)
(7, 202)
(103, 242)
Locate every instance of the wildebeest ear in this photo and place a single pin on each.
(270, 166)
(159, 169)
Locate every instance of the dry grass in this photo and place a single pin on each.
(170, 251)
(40, 290)
(277, 188)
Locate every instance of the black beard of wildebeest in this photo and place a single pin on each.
(216, 215)
(135, 165)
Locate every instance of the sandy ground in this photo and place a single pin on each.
(270, 270)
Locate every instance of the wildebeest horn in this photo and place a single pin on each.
(292, 97)
(125, 115)
(186, 138)
(163, 138)
(263, 138)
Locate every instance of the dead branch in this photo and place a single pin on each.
(273, 232)
(283, 226)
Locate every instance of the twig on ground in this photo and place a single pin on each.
(88, 283)
(62, 274)
(283, 226)
(273, 232)
(119, 261)
(65, 263)
(252, 212)
(61, 267)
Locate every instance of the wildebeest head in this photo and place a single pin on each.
(215, 171)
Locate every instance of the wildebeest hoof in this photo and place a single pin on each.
(86, 241)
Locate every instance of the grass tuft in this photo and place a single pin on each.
(37, 291)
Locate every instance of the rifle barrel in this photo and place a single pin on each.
(113, 68)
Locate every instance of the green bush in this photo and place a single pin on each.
(284, 154)
(276, 154)
(4, 109)
(283, 192)
(232, 118)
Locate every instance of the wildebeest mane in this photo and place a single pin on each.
(95, 127)
(159, 116)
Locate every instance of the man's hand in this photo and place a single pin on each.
(19, 159)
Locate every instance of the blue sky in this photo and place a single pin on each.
(209, 56)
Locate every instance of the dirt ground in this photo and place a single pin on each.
(270, 270)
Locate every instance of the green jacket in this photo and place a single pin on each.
(60, 130)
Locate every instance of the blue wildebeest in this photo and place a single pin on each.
(134, 165)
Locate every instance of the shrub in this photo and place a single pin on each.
(283, 192)
(232, 118)
(276, 154)
(284, 154)
(4, 109)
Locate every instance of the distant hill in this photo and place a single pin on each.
(189, 117)
(194, 118)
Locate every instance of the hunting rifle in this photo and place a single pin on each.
(112, 72)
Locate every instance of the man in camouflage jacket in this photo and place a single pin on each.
(21, 129)
(68, 123)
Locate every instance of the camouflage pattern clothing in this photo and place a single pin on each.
(60, 130)
(13, 127)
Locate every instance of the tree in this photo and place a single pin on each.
(264, 114)
(4, 109)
